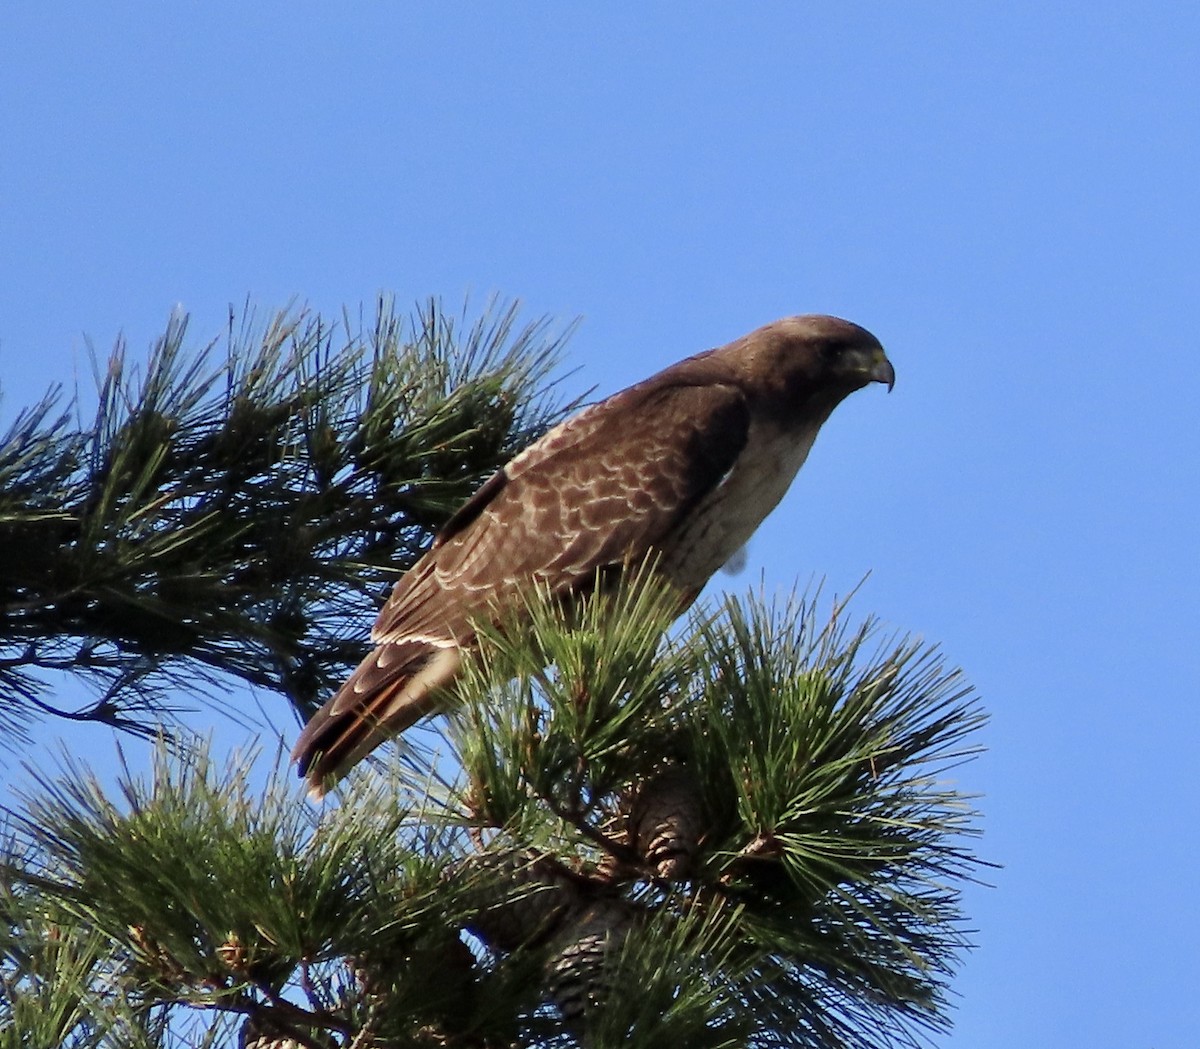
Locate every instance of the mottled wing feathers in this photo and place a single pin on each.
(602, 489)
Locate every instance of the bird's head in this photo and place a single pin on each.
(812, 358)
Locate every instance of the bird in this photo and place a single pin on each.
(681, 467)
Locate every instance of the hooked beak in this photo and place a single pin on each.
(881, 370)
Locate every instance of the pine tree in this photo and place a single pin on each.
(737, 830)
(229, 517)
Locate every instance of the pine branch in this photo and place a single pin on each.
(234, 513)
(738, 834)
(790, 768)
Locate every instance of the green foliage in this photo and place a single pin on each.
(673, 981)
(555, 703)
(502, 891)
(819, 756)
(201, 893)
(53, 982)
(822, 755)
(232, 515)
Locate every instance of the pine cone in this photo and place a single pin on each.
(258, 1033)
(154, 958)
(578, 973)
(267, 1042)
(666, 821)
(521, 899)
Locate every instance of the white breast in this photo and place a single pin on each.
(726, 519)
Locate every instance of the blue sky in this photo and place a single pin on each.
(1006, 194)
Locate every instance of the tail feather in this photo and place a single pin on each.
(393, 688)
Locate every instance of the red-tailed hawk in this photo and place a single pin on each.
(683, 466)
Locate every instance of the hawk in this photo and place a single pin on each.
(683, 466)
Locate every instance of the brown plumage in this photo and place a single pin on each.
(684, 465)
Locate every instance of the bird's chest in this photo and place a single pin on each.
(727, 517)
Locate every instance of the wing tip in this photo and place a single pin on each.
(320, 771)
(342, 733)
(315, 750)
(317, 790)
